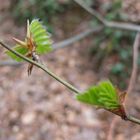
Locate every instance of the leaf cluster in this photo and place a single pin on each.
(41, 38)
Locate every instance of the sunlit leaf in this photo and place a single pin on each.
(18, 49)
(104, 95)
(41, 37)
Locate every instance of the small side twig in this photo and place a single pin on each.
(111, 24)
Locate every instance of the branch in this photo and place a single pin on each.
(76, 38)
(129, 118)
(133, 76)
(111, 24)
(133, 119)
(41, 66)
(9, 63)
(44, 68)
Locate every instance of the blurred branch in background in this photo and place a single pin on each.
(61, 44)
(133, 77)
(9, 63)
(110, 135)
(111, 24)
(132, 82)
(78, 37)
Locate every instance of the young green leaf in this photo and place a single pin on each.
(41, 37)
(104, 95)
(37, 41)
(18, 49)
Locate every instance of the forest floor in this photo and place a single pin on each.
(39, 108)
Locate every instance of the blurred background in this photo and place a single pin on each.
(40, 108)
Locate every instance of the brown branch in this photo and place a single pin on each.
(133, 76)
(111, 24)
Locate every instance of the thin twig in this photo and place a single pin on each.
(44, 68)
(135, 64)
(41, 66)
(71, 40)
(111, 24)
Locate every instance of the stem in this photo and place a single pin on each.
(128, 117)
(133, 119)
(76, 91)
(41, 66)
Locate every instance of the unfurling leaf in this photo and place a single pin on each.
(37, 41)
(41, 37)
(104, 95)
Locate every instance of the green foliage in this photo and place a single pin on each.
(89, 2)
(116, 44)
(19, 49)
(44, 9)
(113, 10)
(117, 68)
(41, 38)
(103, 95)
